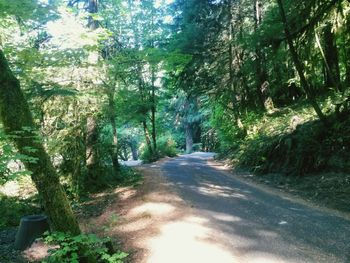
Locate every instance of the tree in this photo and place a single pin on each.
(298, 64)
(19, 125)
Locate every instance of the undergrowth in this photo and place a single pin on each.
(81, 248)
(166, 146)
(13, 208)
(292, 141)
(292, 150)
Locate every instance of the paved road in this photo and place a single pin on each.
(255, 225)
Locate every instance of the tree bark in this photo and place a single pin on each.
(92, 163)
(189, 137)
(235, 108)
(330, 79)
(112, 118)
(299, 66)
(133, 147)
(346, 60)
(259, 58)
(18, 123)
(153, 91)
(153, 113)
(142, 91)
(188, 123)
(92, 9)
(332, 60)
(147, 137)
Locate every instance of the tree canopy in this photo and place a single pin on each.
(265, 83)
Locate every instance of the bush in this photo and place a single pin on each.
(147, 156)
(309, 148)
(166, 146)
(13, 208)
(74, 249)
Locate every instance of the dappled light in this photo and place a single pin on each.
(185, 241)
(225, 217)
(159, 131)
(156, 209)
(38, 251)
(219, 191)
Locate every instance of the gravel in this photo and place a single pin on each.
(8, 254)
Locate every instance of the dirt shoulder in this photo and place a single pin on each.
(328, 192)
(137, 215)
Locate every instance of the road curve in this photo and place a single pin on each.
(254, 225)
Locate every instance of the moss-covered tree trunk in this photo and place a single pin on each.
(17, 120)
(92, 160)
(93, 163)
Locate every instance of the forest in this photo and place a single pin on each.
(87, 86)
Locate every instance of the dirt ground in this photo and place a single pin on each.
(131, 216)
(151, 222)
(137, 214)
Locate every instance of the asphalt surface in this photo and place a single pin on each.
(254, 224)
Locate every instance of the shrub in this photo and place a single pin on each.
(166, 146)
(74, 249)
(13, 208)
(147, 156)
(309, 148)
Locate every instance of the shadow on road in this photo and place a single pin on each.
(256, 225)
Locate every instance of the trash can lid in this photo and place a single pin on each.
(34, 218)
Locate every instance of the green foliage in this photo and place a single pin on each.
(13, 208)
(22, 8)
(166, 147)
(73, 249)
(8, 157)
(296, 144)
(147, 156)
(129, 176)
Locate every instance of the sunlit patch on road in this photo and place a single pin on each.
(152, 208)
(186, 241)
(222, 191)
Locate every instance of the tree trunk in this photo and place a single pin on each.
(299, 66)
(189, 137)
(332, 60)
(259, 58)
(133, 147)
(92, 9)
(235, 108)
(346, 60)
(92, 160)
(18, 121)
(114, 144)
(153, 113)
(147, 137)
(92, 163)
(141, 89)
(330, 79)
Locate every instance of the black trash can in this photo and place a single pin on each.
(30, 228)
